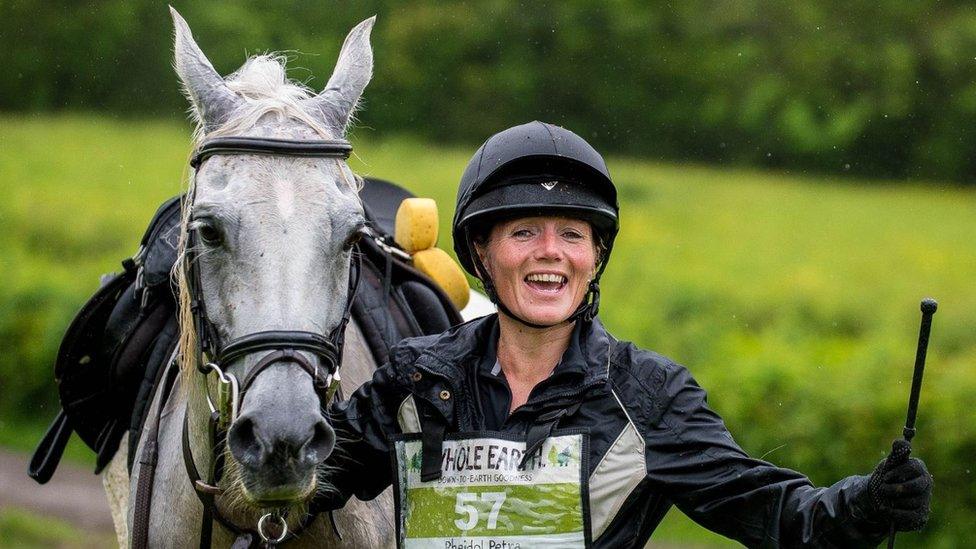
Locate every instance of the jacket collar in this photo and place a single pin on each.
(462, 346)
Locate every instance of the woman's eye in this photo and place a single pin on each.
(522, 233)
(572, 235)
(210, 234)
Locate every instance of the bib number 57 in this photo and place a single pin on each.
(463, 506)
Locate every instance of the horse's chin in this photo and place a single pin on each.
(261, 495)
(251, 490)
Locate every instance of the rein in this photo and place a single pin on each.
(279, 346)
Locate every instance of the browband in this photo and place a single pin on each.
(323, 148)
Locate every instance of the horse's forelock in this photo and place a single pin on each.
(264, 85)
(264, 76)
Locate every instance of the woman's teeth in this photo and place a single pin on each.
(546, 278)
(546, 282)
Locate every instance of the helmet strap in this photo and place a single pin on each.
(591, 309)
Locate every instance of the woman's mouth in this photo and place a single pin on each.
(546, 282)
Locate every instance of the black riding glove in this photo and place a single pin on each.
(901, 489)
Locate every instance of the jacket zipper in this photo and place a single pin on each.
(528, 406)
(539, 405)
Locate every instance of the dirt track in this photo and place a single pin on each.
(73, 494)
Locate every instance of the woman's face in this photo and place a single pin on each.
(541, 266)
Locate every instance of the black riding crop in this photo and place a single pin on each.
(928, 307)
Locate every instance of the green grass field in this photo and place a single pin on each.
(24, 530)
(793, 299)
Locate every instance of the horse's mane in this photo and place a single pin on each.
(266, 89)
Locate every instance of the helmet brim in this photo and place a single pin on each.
(540, 196)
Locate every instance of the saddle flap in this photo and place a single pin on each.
(79, 348)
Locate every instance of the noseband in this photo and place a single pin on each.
(279, 346)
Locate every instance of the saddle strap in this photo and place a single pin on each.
(48, 454)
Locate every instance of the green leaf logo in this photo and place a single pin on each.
(563, 458)
(414, 463)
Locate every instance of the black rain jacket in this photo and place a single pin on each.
(653, 442)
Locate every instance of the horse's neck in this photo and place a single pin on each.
(175, 516)
(357, 360)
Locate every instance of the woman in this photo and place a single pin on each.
(536, 427)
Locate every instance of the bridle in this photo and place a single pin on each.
(288, 346)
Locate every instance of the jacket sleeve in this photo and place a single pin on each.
(692, 458)
(359, 465)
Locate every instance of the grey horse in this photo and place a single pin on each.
(279, 260)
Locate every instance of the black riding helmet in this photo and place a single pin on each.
(528, 170)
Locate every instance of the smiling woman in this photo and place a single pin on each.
(536, 427)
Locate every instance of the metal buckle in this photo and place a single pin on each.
(228, 393)
(392, 250)
(332, 382)
(284, 528)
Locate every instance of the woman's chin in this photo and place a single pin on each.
(545, 316)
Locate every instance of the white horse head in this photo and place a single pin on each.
(273, 249)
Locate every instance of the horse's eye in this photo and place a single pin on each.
(353, 239)
(210, 234)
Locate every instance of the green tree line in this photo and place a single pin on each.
(884, 89)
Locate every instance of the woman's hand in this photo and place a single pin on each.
(901, 489)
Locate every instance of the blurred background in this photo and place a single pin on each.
(794, 178)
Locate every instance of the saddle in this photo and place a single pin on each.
(116, 349)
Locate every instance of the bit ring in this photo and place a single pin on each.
(281, 520)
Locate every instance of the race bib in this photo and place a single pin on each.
(484, 501)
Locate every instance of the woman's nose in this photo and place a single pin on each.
(548, 245)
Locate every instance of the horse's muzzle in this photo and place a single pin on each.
(279, 454)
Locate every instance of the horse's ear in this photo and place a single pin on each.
(352, 72)
(212, 100)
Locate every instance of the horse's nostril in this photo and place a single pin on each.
(320, 445)
(257, 444)
(244, 442)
